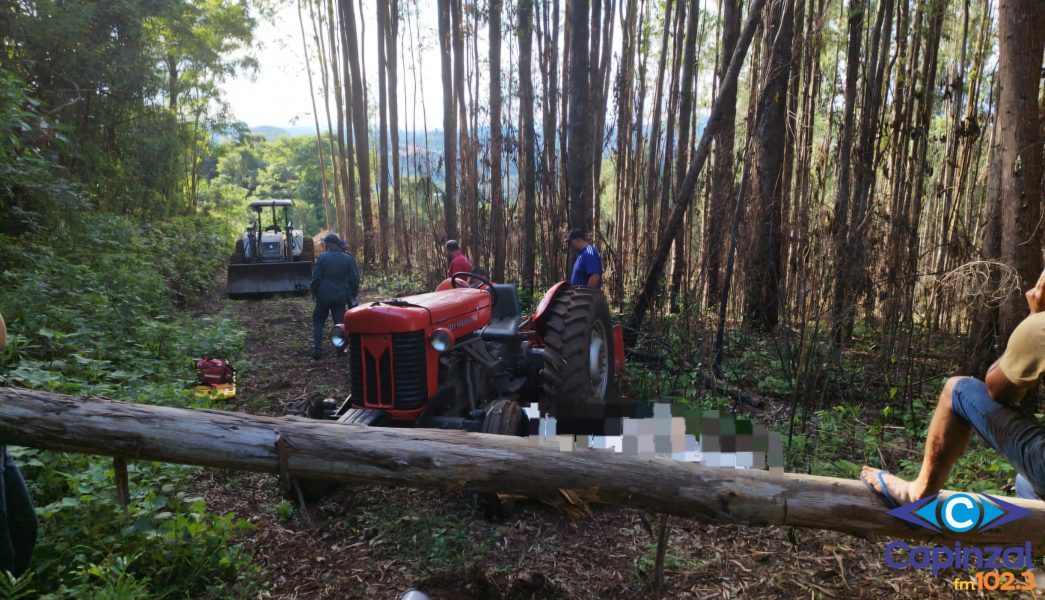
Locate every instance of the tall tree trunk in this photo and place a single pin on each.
(449, 123)
(1020, 24)
(497, 241)
(341, 170)
(402, 244)
(689, 55)
(349, 158)
(316, 15)
(359, 118)
(527, 141)
(625, 156)
(579, 151)
(384, 240)
(1013, 233)
(762, 293)
(651, 282)
(315, 116)
(723, 181)
(466, 183)
(841, 304)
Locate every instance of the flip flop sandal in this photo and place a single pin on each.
(884, 494)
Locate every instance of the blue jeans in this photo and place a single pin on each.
(336, 311)
(17, 518)
(1019, 438)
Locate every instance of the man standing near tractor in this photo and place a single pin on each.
(587, 269)
(17, 515)
(335, 284)
(459, 263)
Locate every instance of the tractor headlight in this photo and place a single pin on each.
(337, 337)
(441, 340)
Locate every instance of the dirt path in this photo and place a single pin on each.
(373, 542)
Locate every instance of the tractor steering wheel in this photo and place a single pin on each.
(455, 282)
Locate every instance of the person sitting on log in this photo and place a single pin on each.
(988, 407)
(17, 515)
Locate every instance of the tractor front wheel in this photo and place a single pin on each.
(504, 417)
(578, 379)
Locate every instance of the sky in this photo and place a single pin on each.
(277, 94)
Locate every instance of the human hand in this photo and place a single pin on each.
(1036, 296)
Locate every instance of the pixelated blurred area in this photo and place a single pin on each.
(671, 431)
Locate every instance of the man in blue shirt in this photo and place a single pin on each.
(587, 270)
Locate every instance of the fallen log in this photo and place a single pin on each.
(456, 460)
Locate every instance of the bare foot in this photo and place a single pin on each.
(900, 490)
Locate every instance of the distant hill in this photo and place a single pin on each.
(270, 132)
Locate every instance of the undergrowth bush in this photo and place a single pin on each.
(93, 310)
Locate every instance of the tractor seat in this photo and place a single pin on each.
(506, 315)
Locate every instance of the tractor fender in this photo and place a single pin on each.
(539, 316)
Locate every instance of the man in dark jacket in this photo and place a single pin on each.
(17, 515)
(335, 283)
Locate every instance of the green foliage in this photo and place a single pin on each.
(16, 588)
(32, 199)
(97, 316)
(123, 94)
(284, 511)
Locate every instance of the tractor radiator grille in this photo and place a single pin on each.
(411, 382)
(380, 373)
(355, 367)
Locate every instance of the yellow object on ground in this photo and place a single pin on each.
(218, 391)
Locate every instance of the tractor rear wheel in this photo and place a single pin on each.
(238, 256)
(504, 417)
(311, 489)
(578, 377)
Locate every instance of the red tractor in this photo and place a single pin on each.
(465, 357)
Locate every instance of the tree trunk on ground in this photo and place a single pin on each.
(762, 293)
(455, 460)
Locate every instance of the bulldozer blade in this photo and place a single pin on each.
(259, 279)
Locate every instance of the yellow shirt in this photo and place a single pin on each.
(1023, 362)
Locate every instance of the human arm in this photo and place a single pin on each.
(593, 267)
(317, 274)
(1002, 389)
(1021, 366)
(353, 276)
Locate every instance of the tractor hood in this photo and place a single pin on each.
(460, 311)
